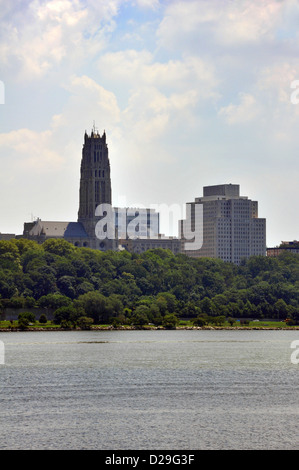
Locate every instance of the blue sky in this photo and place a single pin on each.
(190, 93)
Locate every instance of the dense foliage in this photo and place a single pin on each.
(156, 286)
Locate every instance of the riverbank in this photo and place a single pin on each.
(132, 328)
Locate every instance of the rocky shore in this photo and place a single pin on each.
(128, 328)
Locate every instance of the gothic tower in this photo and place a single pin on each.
(95, 182)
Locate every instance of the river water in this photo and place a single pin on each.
(183, 389)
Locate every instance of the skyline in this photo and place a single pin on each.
(189, 93)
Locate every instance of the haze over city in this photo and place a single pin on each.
(189, 93)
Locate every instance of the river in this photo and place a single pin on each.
(182, 389)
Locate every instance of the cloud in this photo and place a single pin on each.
(275, 80)
(58, 33)
(130, 69)
(91, 99)
(247, 110)
(168, 81)
(150, 114)
(151, 4)
(30, 151)
(49, 150)
(199, 24)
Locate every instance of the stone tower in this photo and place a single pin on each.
(95, 181)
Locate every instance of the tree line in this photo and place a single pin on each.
(81, 284)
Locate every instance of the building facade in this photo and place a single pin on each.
(99, 225)
(229, 225)
(289, 247)
(95, 181)
(220, 224)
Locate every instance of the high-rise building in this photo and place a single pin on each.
(101, 226)
(227, 224)
(95, 181)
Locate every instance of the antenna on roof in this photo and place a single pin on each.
(94, 128)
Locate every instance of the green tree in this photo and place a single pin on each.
(23, 323)
(170, 321)
(59, 247)
(43, 319)
(54, 300)
(207, 306)
(281, 309)
(199, 321)
(95, 305)
(85, 323)
(140, 316)
(29, 316)
(66, 314)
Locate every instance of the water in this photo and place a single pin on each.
(149, 390)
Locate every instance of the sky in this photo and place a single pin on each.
(190, 93)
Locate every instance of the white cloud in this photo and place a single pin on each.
(247, 110)
(30, 151)
(54, 33)
(133, 69)
(88, 100)
(150, 113)
(49, 150)
(151, 4)
(200, 23)
(274, 80)
(163, 79)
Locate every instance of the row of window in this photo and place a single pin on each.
(99, 173)
(97, 156)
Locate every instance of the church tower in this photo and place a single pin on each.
(95, 182)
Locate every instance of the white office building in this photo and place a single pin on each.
(230, 227)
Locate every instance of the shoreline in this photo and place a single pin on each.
(130, 328)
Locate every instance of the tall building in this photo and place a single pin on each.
(227, 224)
(99, 225)
(95, 189)
(95, 181)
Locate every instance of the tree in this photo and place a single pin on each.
(207, 306)
(66, 285)
(43, 283)
(170, 321)
(199, 321)
(24, 319)
(140, 316)
(43, 319)
(29, 316)
(66, 314)
(23, 323)
(84, 287)
(218, 321)
(95, 305)
(171, 301)
(59, 247)
(281, 309)
(85, 323)
(55, 301)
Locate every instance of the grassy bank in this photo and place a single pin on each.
(50, 326)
